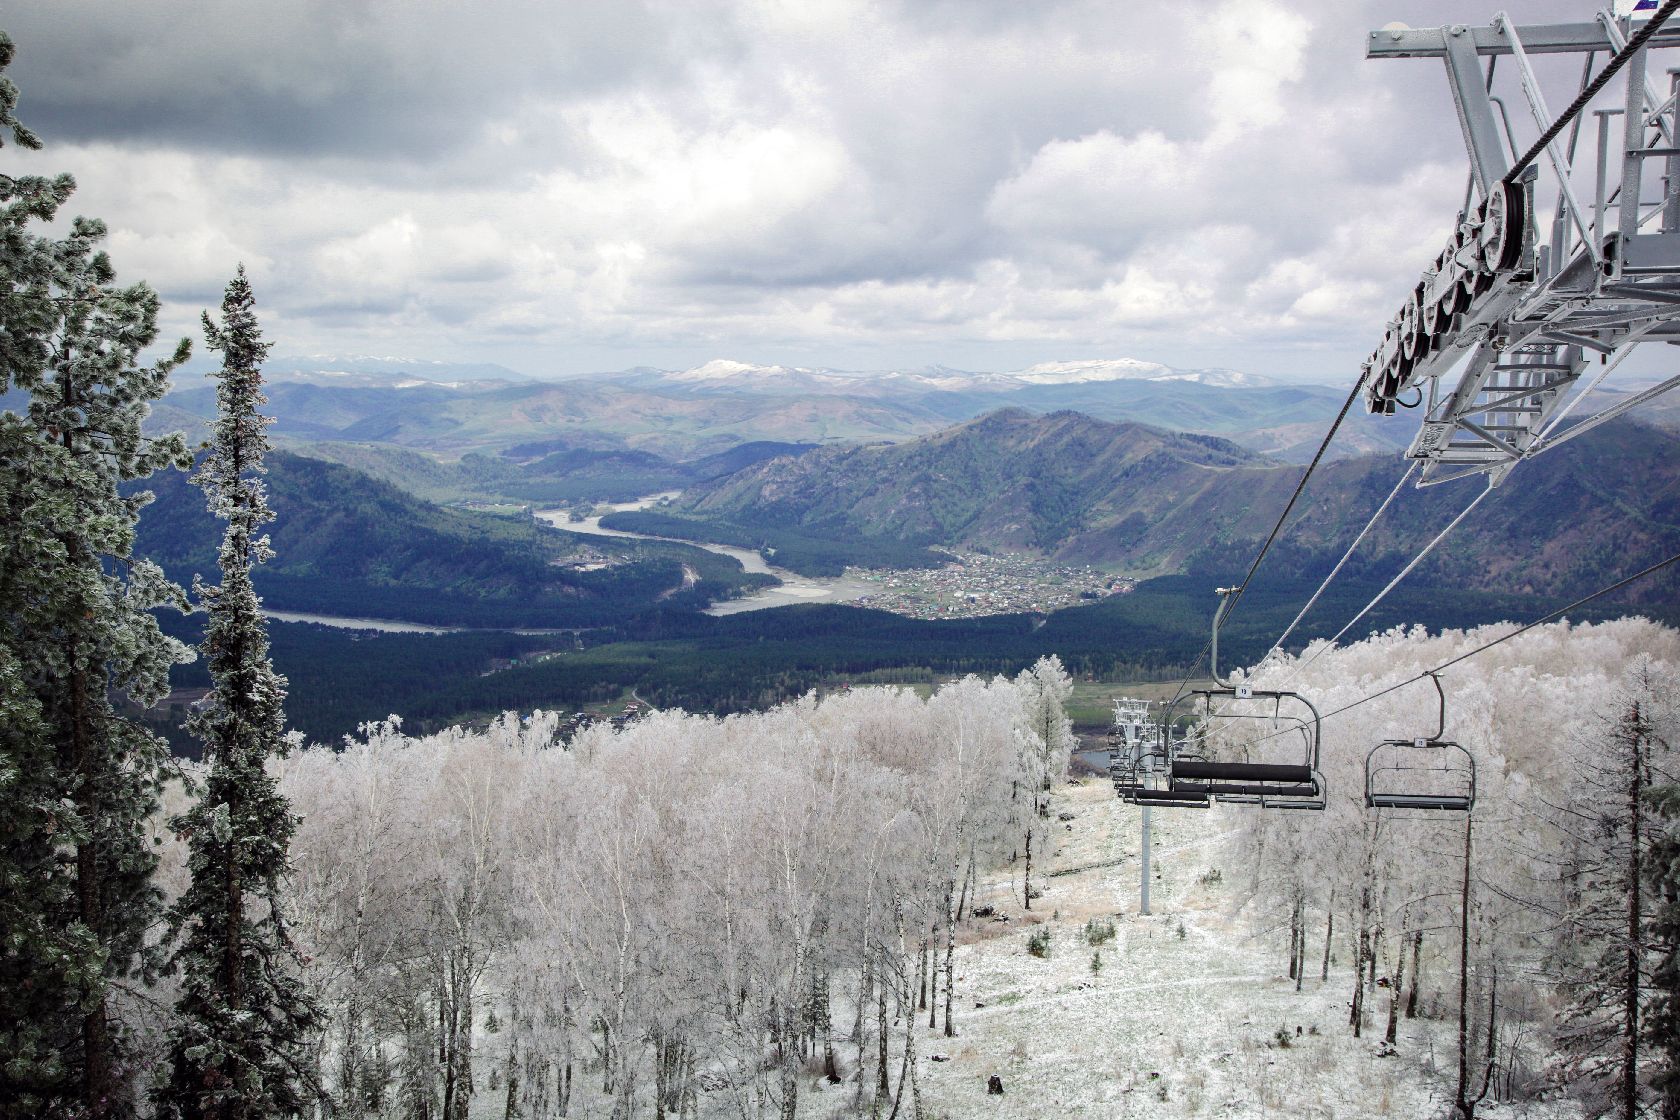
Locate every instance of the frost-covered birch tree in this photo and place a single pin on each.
(1046, 744)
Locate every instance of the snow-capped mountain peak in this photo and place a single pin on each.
(1133, 369)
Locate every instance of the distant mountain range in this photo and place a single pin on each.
(1152, 501)
(451, 410)
(349, 544)
(1117, 462)
(731, 376)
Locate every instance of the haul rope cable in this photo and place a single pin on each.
(1236, 594)
(1541, 621)
(1592, 89)
(1334, 572)
(1395, 582)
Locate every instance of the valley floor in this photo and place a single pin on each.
(1184, 1018)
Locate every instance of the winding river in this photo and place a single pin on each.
(794, 588)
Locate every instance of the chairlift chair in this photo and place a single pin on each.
(1179, 772)
(1268, 783)
(1426, 773)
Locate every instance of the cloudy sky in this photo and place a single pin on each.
(587, 185)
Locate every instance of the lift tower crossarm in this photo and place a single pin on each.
(1549, 38)
(1518, 310)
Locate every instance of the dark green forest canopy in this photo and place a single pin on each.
(350, 544)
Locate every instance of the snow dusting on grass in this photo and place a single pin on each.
(1191, 1013)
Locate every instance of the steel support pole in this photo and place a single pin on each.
(1671, 169)
(1143, 881)
(1475, 110)
(1633, 138)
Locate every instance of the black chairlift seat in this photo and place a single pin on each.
(1194, 779)
(1394, 779)
(1223, 790)
(1451, 804)
(1241, 772)
(1174, 797)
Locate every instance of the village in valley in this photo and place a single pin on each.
(977, 583)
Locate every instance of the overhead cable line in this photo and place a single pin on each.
(1619, 60)
(1541, 621)
(1395, 582)
(1236, 594)
(1230, 601)
(1334, 572)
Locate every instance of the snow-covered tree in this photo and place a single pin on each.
(1531, 711)
(1662, 873)
(79, 780)
(683, 903)
(1046, 745)
(243, 1016)
(1601, 1031)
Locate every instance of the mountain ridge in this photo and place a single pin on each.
(1146, 501)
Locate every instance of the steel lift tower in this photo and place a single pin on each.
(1566, 255)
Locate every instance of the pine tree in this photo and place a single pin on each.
(79, 782)
(1601, 1030)
(243, 1014)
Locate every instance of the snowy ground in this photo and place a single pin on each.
(1185, 1015)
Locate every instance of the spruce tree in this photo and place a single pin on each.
(1662, 1021)
(1601, 1032)
(79, 781)
(244, 1017)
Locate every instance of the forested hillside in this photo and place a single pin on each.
(349, 544)
(1148, 500)
(868, 891)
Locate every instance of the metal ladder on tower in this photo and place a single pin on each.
(1507, 398)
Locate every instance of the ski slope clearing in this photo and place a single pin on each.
(1191, 1013)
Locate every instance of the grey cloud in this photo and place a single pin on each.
(636, 173)
(317, 77)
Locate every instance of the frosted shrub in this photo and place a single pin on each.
(1038, 942)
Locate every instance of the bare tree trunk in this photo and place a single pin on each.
(881, 1086)
(932, 1005)
(510, 1110)
(866, 981)
(1356, 1011)
(1492, 1055)
(950, 959)
(967, 877)
(906, 1071)
(1329, 932)
(1295, 938)
(1397, 981)
(1465, 1107)
(922, 976)
(1417, 968)
(1026, 878)
(1635, 932)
